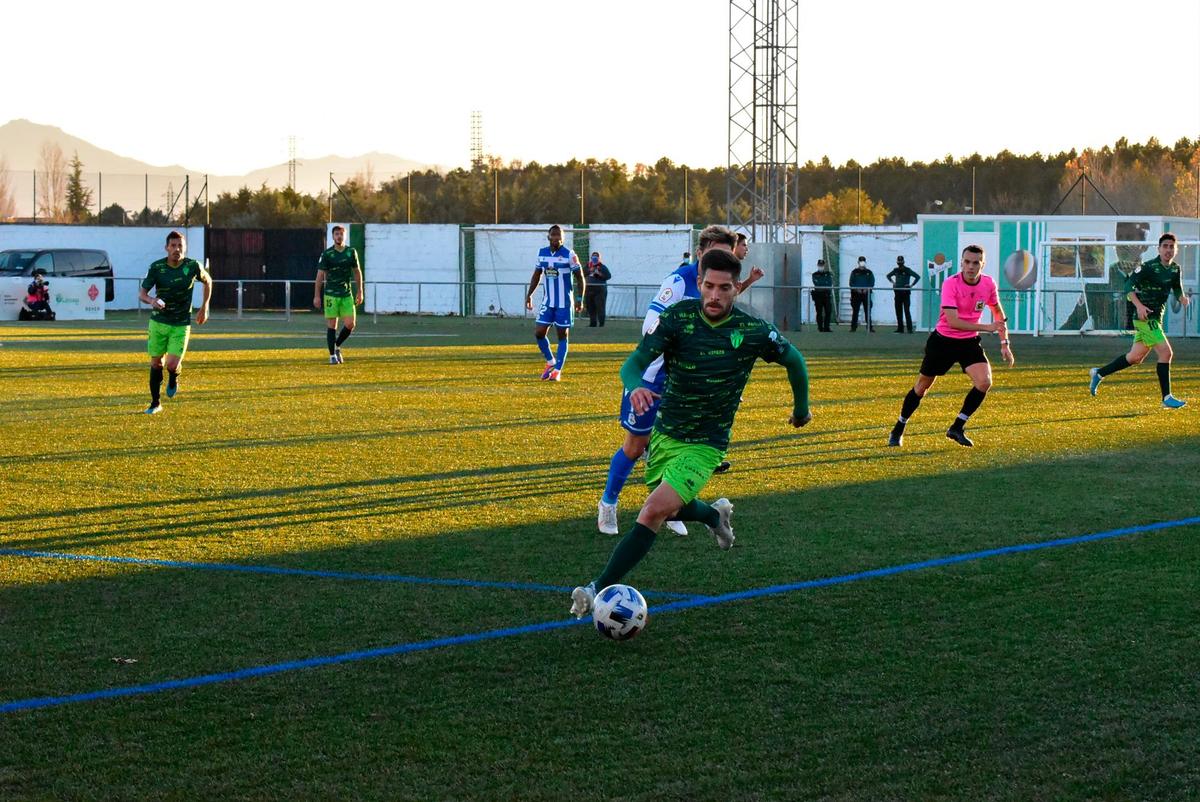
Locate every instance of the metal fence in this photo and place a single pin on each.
(246, 298)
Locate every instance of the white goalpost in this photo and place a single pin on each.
(1082, 285)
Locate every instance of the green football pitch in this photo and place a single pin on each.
(307, 581)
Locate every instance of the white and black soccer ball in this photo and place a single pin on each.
(620, 612)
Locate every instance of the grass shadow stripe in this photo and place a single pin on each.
(308, 572)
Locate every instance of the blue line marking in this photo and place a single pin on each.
(275, 570)
(477, 637)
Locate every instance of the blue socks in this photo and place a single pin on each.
(618, 473)
(561, 357)
(544, 347)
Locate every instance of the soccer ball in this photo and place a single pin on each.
(620, 612)
(1020, 268)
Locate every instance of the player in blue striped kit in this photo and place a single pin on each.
(682, 283)
(561, 269)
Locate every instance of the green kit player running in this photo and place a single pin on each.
(335, 270)
(1148, 288)
(172, 279)
(709, 347)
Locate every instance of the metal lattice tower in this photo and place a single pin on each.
(764, 119)
(291, 162)
(476, 139)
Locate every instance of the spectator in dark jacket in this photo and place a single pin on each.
(595, 295)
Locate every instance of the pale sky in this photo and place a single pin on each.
(219, 86)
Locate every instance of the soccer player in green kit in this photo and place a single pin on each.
(335, 269)
(172, 279)
(1147, 288)
(710, 347)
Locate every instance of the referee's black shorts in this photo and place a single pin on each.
(941, 352)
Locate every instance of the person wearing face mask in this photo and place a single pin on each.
(903, 279)
(862, 280)
(822, 295)
(595, 297)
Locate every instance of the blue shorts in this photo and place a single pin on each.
(558, 316)
(635, 423)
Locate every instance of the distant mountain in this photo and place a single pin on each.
(21, 146)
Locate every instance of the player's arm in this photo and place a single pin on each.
(320, 285)
(756, 273)
(1001, 320)
(797, 371)
(144, 293)
(955, 322)
(358, 276)
(1177, 288)
(206, 280)
(534, 280)
(578, 279)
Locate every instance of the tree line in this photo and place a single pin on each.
(1125, 178)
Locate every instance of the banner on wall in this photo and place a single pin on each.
(70, 298)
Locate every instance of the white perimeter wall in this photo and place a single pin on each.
(130, 249)
(424, 255)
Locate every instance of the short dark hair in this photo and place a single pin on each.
(337, 228)
(715, 235)
(174, 235)
(741, 237)
(1168, 236)
(555, 227)
(974, 249)
(721, 260)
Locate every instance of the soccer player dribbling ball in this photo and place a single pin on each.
(1148, 288)
(955, 339)
(709, 347)
(172, 279)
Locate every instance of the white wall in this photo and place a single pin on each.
(130, 249)
(637, 254)
(425, 254)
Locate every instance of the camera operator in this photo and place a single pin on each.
(37, 299)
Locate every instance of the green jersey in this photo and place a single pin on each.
(339, 270)
(1154, 282)
(707, 366)
(174, 286)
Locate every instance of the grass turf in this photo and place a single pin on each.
(435, 452)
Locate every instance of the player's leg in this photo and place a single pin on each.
(980, 374)
(1165, 355)
(563, 330)
(541, 326)
(177, 344)
(157, 340)
(637, 436)
(331, 320)
(1143, 340)
(348, 314)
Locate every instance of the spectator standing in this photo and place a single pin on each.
(595, 296)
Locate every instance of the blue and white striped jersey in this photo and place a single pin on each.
(683, 282)
(557, 267)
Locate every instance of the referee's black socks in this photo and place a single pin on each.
(970, 404)
(911, 402)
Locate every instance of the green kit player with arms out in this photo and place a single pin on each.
(337, 267)
(1148, 288)
(709, 347)
(172, 279)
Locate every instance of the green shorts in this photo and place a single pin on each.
(339, 306)
(686, 467)
(1149, 332)
(167, 339)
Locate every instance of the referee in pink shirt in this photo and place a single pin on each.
(956, 340)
